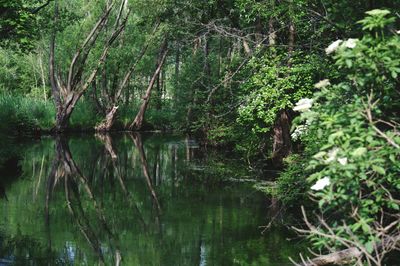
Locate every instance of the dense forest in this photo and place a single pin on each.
(308, 87)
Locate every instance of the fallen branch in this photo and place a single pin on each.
(354, 252)
(336, 258)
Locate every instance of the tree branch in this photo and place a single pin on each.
(37, 9)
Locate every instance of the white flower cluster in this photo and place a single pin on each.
(333, 47)
(331, 156)
(299, 131)
(322, 84)
(303, 105)
(342, 161)
(321, 184)
(350, 43)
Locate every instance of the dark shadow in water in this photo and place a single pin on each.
(3, 194)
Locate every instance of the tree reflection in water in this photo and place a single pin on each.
(132, 200)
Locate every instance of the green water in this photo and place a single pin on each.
(132, 200)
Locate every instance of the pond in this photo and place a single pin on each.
(131, 199)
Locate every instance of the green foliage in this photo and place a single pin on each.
(353, 147)
(222, 134)
(160, 120)
(292, 187)
(20, 114)
(366, 179)
(15, 23)
(377, 20)
(85, 116)
(276, 85)
(20, 74)
(20, 24)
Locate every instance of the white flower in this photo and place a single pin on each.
(333, 47)
(332, 155)
(398, 31)
(351, 43)
(303, 105)
(342, 161)
(299, 131)
(321, 84)
(321, 184)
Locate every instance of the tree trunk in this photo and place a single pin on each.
(55, 90)
(206, 63)
(177, 63)
(282, 144)
(113, 96)
(158, 91)
(61, 122)
(271, 28)
(108, 122)
(259, 35)
(352, 254)
(64, 111)
(292, 33)
(138, 122)
(246, 48)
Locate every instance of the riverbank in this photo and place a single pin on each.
(21, 115)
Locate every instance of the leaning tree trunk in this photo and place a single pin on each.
(108, 122)
(137, 124)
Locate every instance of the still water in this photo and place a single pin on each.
(132, 199)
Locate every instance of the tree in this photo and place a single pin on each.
(111, 93)
(66, 93)
(138, 121)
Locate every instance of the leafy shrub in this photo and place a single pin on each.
(355, 158)
(292, 186)
(275, 86)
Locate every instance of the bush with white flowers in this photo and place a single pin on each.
(353, 168)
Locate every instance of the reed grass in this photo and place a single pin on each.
(24, 114)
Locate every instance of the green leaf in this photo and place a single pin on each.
(369, 246)
(378, 169)
(359, 152)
